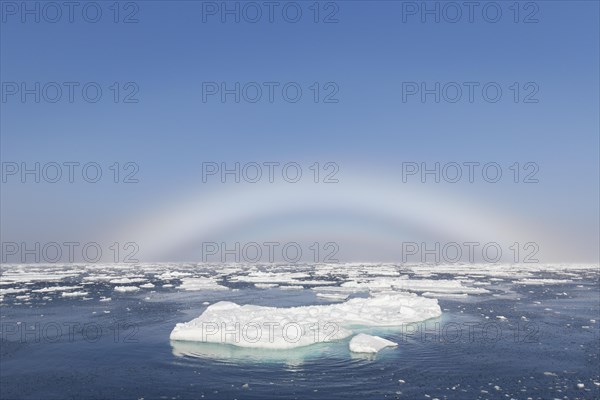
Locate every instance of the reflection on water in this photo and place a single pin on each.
(236, 354)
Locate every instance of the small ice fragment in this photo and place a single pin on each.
(199, 284)
(73, 294)
(580, 386)
(147, 286)
(126, 288)
(266, 285)
(124, 281)
(363, 343)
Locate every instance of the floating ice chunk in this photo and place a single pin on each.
(147, 285)
(200, 284)
(363, 343)
(283, 328)
(543, 281)
(74, 294)
(126, 288)
(415, 285)
(124, 281)
(446, 295)
(271, 277)
(436, 286)
(12, 291)
(265, 285)
(55, 289)
(172, 275)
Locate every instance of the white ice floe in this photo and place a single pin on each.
(283, 328)
(74, 294)
(363, 343)
(124, 281)
(126, 288)
(445, 295)
(271, 277)
(543, 281)
(56, 289)
(4, 292)
(265, 285)
(416, 285)
(172, 275)
(200, 284)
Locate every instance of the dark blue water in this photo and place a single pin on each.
(57, 348)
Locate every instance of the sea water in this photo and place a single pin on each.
(505, 331)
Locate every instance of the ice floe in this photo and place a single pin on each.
(201, 284)
(126, 288)
(74, 294)
(363, 343)
(283, 328)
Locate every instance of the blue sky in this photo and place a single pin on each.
(369, 132)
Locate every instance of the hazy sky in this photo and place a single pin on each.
(365, 63)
